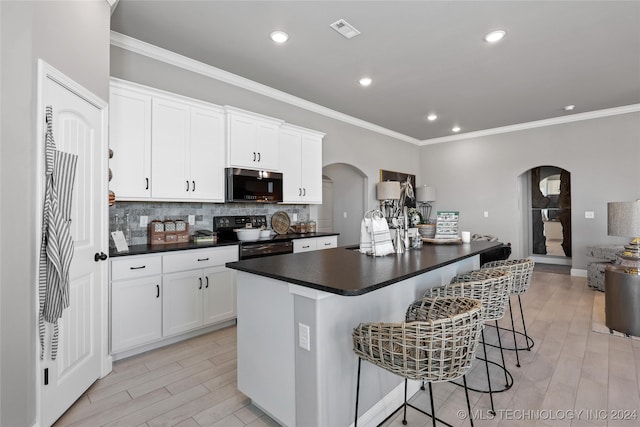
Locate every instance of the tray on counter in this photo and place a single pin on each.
(448, 241)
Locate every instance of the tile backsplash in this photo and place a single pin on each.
(204, 213)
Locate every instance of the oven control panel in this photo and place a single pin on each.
(233, 222)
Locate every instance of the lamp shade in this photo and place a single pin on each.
(426, 194)
(388, 190)
(623, 219)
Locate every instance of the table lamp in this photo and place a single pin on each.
(425, 195)
(388, 192)
(623, 219)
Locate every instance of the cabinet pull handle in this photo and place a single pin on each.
(200, 280)
(259, 156)
(193, 186)
(187, 185)
(147, 180)
(299, 191)
(207, 279)
(157, 291)
(304, 191)
(137, 268)
(327, 244)
(203, 259)
(306, 247)
(254, 156)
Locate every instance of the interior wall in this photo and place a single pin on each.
(365, 150)
(348, 201)
(481, 174)
(65, 34)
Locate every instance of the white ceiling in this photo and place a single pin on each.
(423, 56)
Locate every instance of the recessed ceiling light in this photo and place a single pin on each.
(432, 117)
(279, 36)
(494, 36)
(569, 107)
(455, 129)
(365, 81)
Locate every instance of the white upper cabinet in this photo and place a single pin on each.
(166, 146)
(301, 164)
(130, 141)
(252, 140)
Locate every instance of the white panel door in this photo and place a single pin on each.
(169, 148)
(219, 295)
(79, 127)
(311, 169)
(181, 301)
(242, 136)
(267, 145)
(207, 154)
(290, 143)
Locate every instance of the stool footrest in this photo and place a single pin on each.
(530, 342)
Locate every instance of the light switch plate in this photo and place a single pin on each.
(589, 214)
(304, 336)
(192, 220)
(144, 221)
(486, 214)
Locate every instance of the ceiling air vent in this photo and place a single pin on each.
(344, 28)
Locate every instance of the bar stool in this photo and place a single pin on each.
(492, 288)
(522, 270)
(439, 345)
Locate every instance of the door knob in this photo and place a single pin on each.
(100, 256)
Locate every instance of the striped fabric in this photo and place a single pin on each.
(56, 251)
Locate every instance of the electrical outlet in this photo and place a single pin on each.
(345, 214)
(144, 221)
(295, 217)
(304, 336)
(192, 220)
(486, 214)
(589, 214)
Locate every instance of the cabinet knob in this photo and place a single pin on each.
(100, 256)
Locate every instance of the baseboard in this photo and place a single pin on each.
(385, 407)
(578, 272)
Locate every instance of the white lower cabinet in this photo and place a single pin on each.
(136, 301)
(158, 296)
(314, 244)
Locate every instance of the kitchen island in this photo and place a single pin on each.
(296, 314)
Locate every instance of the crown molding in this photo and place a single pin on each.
(172, 58)
(537, 124)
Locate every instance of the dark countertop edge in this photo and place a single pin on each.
(157, 249)
(236, 266)
(152, 249)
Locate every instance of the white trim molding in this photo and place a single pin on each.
(142, 48)
(169, 57)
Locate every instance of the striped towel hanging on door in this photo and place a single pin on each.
(56, 251)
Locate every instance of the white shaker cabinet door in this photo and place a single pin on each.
(290, 145)
(130, 141)
(219, 296)
(242, 136)
(311, 169)
(182, 302)
(207, 155)
(267, 146)
(136, 312)
(169, 161)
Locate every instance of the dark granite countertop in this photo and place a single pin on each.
(148, 249)
(347, 272)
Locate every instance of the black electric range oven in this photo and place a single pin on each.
(224, 226)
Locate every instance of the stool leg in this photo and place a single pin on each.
(404, 417)
(504, 366)
(355, 423)
(486, 364)
(524, 325)
(513, 329)
(466, 393)
(433, 411)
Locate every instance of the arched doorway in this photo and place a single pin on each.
(549, 202)
(349, 200)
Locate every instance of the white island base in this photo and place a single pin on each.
(316, 385)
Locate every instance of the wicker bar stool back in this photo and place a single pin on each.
(492, 288)
(438, 346)
(522, 270)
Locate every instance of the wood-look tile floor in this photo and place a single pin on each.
(571, 377)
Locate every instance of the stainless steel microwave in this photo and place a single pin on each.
(248, 185)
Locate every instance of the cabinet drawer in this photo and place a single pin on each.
(326, 242)
(199, 258)
(135, 266)
(304, 245)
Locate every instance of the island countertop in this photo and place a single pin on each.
(347, 272)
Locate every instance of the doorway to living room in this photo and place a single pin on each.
(548, 202)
